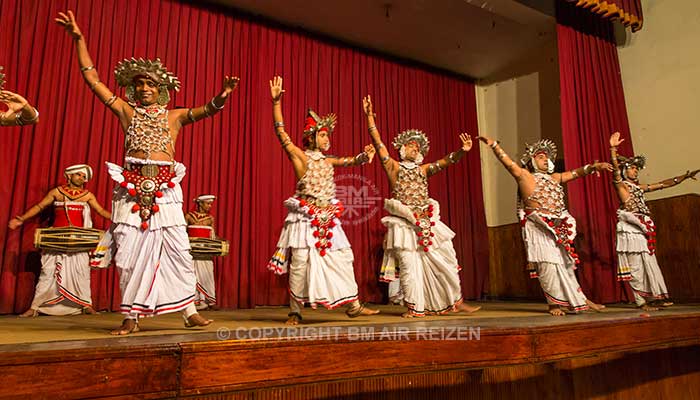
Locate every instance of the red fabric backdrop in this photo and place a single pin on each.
(592, 108)
(234, 155)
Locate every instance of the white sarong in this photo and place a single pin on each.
(327, 280)
(156, 272)
(636, 261)
(429, 280)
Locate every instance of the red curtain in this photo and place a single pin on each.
(628, 12)
(234, 155)
(592, 108)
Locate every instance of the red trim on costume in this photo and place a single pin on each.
(209, 298)
(566, 303)
(155, 273)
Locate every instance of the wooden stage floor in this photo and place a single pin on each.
(252, 354)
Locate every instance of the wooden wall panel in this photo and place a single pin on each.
(678, 247)
(508, 277)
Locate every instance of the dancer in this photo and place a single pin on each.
(150, 242)
(548, 228)
(418, 246)
(636, 232)
(320, 268)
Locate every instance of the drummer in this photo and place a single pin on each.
(64, 283)
(200, 224)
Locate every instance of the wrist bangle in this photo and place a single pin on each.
(190, 115)
(494, 144)
(214, 104)
(111, 100)
(279, 124)
(85, 69)
(22, 121)
(371, 128)
(379, 146)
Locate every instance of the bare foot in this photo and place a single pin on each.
(408, 314)
(128, 326)
(89, 310)
(556, 311)
(664, 303)
(368, 311)
(30, 313)
(294, 319)
(594, 306)
(360, 309)
(647, 307)
(464, 307)
(197, 320)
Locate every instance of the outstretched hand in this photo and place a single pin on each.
(67, 20)
(466, 141)
(367, 105)
(14, 223)
(14, 102)
(615, 140)
(370, 151)
(485, 140)
(230, 84)
(691, 174)
(602, 166)
(276, 88)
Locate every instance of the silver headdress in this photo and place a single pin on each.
(2, 78)
(626, 162)
(412, 135)
(126, 70)
(315, 123)
(543, 146)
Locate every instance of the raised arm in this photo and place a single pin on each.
(390, 165)
(512, 167)
(87, 68)
(622, 192)
(19, 111)
(452, 158)
(362, 158)
(187, 116)
(579, 172)
(670, 182)
(17, 221)
(294, 153)
(92, 201)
